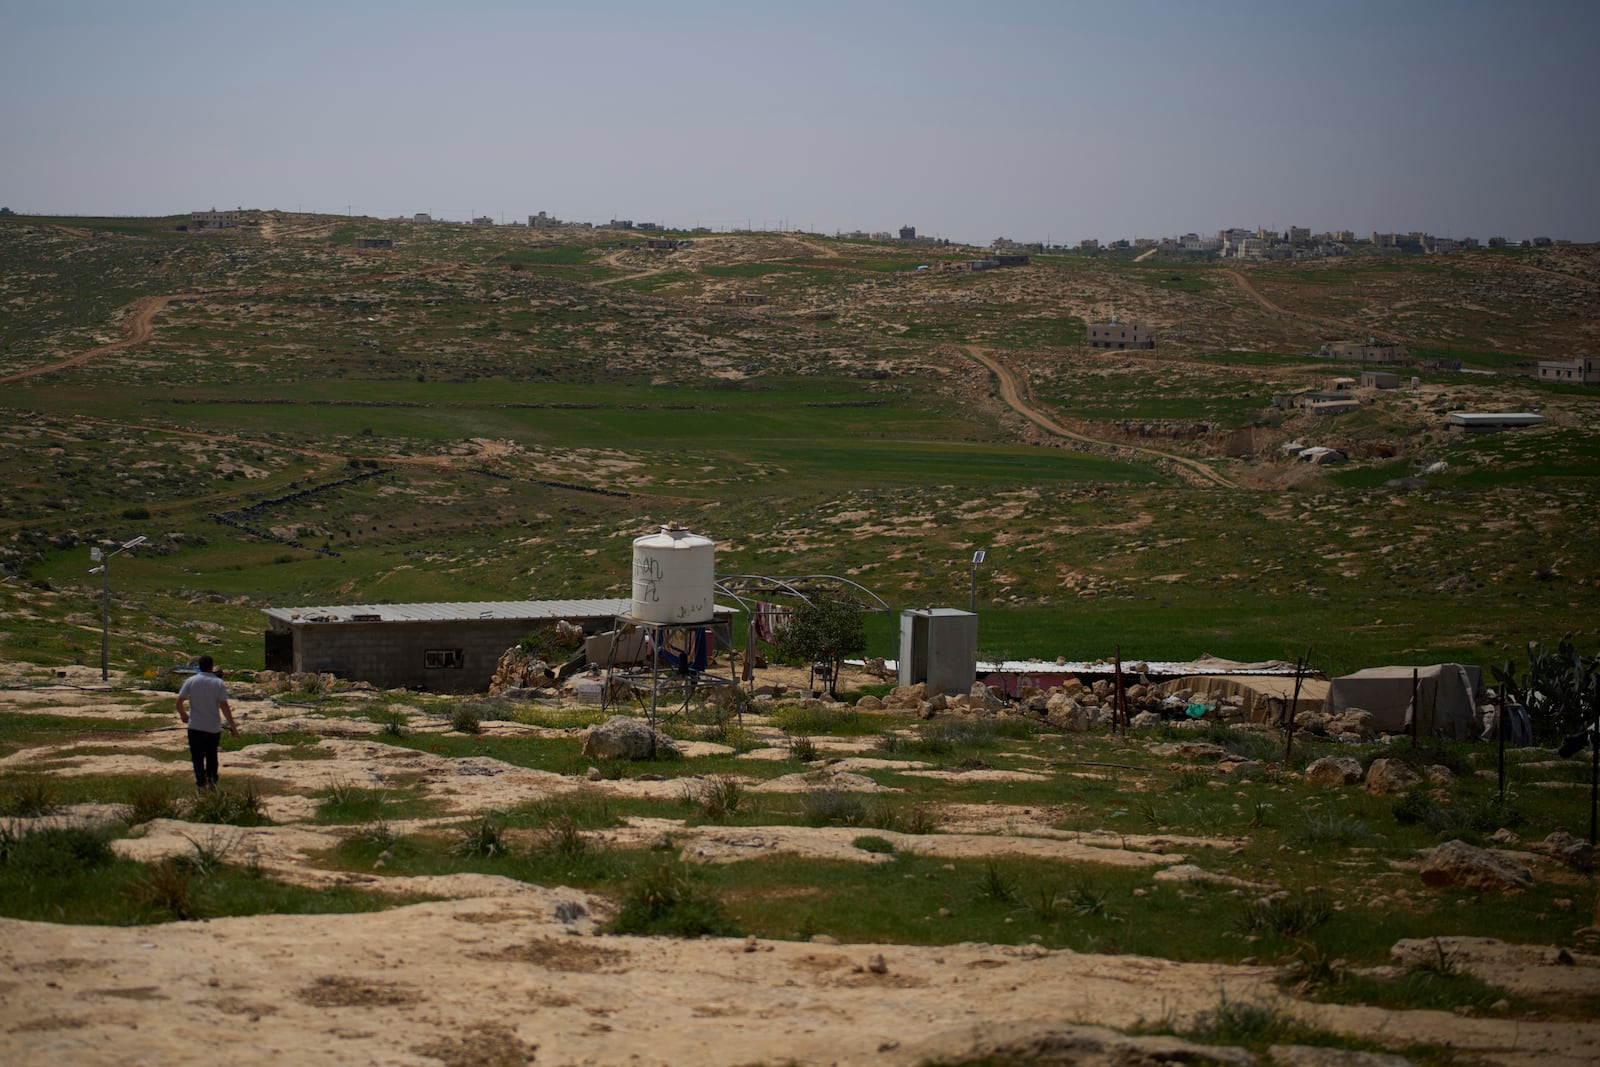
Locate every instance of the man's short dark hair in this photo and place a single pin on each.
(205, 663)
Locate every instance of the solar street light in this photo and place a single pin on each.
(104, 571)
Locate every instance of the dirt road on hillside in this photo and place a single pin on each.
(140, 323)
(137, 328)
(1354, 328)
(1011, 391)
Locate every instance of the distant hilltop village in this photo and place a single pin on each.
(1297, 242)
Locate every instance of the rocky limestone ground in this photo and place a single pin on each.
(502, 972)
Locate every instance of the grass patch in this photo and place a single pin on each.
(238, 805)
(671, 899)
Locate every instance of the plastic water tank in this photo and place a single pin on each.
(674, 577)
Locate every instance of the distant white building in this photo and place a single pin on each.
(1585, 370)
(1120, 335)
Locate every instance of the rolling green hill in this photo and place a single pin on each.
(496, 412)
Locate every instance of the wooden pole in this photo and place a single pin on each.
(1594, 763)
(1416, 711)
(1502, 732)
(1294, 704)
(1119, 715)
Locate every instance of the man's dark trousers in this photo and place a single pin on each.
(203, 751)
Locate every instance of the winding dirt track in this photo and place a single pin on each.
(141, 320)
(1012, 393)
(136, 329)
(1359, 329)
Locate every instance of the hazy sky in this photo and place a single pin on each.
(968, 120)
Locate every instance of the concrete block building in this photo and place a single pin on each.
(1120, 335)
(445, 647)
(1585, 370)
(442, 647)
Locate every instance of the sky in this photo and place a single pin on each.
(1055, 120)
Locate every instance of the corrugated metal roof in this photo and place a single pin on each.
(463, 611)
(1105, 666)
(1495, 418)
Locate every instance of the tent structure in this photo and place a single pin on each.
(1447, 704)
(1265, 696)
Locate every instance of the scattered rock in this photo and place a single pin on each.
(1458, 864)
(1390, 776)
(620, 737)
(1322, 1056)
(1334, 770)
(1572, 851)
(1351, 721)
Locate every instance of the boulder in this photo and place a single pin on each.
(1145, 720)
(1334, 770)
(869, 703)
(1069, 715)
(1458, 864)
(1351, 721)
(1573, 851)
(1310, 722)
(620, 737)
(984, 698)
(906, 696)
(1390, 776)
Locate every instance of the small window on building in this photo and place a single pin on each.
(435, 659)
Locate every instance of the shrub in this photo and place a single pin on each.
(717, 797)
(1468, 821)
(832, 807)
(465, 720)
(164, 887)
(486, 838)
(1288, 915)
(669, 900)
(346, 802)
(27, 798)
(239, 805)
(151, 800)
(997, 885)
(52, 851)
(563, 837)
(393, 721)
(802, 749)
(873, 843)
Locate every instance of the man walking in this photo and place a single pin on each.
(200, 700)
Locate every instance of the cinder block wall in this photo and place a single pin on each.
(392, 655)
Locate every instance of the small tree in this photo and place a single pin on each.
(824, 632)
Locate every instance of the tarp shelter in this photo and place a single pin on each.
(1265, 697)
(1446, 699)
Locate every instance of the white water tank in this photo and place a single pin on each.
(674, 577)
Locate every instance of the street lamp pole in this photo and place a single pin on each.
(104, 559)
(972, 602)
